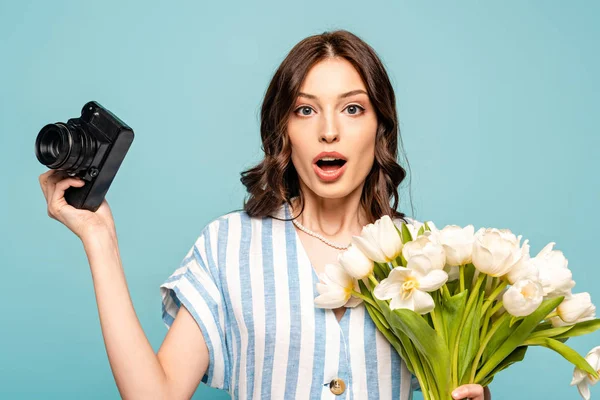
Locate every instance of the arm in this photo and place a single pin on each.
(176, 370)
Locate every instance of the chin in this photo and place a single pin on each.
(337, 190)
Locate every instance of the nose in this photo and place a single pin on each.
(330, 132)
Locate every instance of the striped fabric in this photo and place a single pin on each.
(250, 286)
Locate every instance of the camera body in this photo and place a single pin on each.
(91, 147)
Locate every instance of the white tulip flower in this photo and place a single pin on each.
(408, 287)
(458, 243)
(555, 275)
(380, 241)
(523, 298)
(336, 291)
(429, 254)
(457, 248)
(576, 308)
(355, 263)
(582, 379)
(495, 251)
(524, 268)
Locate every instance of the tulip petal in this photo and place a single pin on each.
(584, 390)
(546, 250)
(483, 260)
(423, 302)
(338, 275)
(322, 288)
(387, 289)
(399, 273)
(332, 299)
(399, 302)
(578, 376)
(592, 359)
(371, 251)
(420, 264)
(433, 280)
(353, 302)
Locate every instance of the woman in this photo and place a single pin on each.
(241, 307)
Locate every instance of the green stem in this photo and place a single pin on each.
(380, 317)
(493, 296)
(486, 322)
(472, 296)
(364, 298)
(461, 269)
(495, 309)
(417, 364)
(483, 345)
(394, 263)
(373, 280)
(432, 391)
(446, 290)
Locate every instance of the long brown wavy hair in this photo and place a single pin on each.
(274, 180)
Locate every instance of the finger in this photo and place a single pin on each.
(58, 194)
(43, 178)
(471, 391)
(51, 182)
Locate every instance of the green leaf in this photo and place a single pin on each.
(421, 230)
(568, 353)
(469, 340)
(543, 326)
(469, 274)
(581, 328)
(453, 286)
(514, 320)
(551, 332)
(381, 271)
(452, 312)
(503, 332)
(517, 355)
(426, 341)
(406, 236)
(517, 338)
(427, 227)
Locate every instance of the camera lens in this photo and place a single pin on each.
(53, 145)
(65, 147)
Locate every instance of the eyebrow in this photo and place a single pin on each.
(341, 96)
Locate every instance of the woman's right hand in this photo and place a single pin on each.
(79, 221)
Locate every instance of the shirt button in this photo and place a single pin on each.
(337, 386)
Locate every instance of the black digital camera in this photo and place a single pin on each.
(91, 147)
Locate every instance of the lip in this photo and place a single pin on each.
(329, 176)
(333, 154)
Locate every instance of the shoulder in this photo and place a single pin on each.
(236, 221)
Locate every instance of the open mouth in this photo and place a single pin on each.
(330, 165)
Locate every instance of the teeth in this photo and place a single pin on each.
(329, 159)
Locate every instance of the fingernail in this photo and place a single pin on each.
(456, 394)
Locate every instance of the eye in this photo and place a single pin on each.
(354, 109)
(304, 111)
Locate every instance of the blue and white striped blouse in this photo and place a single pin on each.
(250, 286)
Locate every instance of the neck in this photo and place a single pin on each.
(336, 219)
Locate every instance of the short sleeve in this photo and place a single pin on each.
(196, 285)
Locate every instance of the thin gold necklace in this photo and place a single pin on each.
(321, 238)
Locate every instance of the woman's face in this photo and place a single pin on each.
(333, 113)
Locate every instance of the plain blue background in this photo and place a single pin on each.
(498, 109)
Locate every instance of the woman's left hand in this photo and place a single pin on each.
(472, 391)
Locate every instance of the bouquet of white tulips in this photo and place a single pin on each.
(460, 306)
